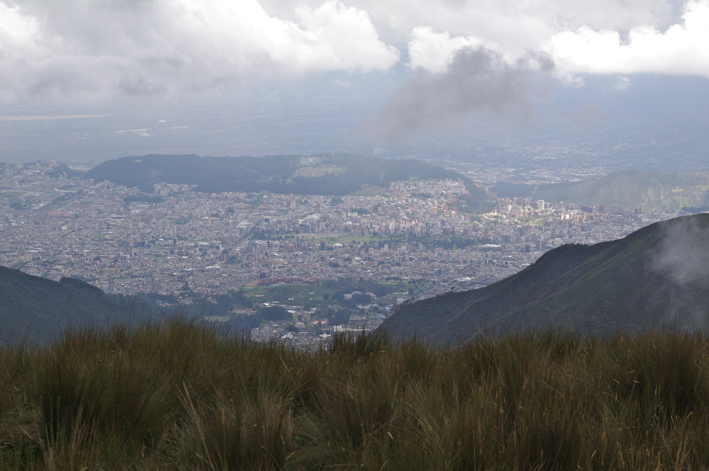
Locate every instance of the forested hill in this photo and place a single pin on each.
(337, 174)
(628, 188)
(657, 276)
(36, 309)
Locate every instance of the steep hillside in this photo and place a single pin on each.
(37, 308)
(338, 174)
(656, 276)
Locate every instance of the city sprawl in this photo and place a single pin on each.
(178, 239)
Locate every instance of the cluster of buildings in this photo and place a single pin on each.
(308, 330)
(178, 241)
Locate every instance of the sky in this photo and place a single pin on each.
(96, 79)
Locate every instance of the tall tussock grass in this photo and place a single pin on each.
(181, 395)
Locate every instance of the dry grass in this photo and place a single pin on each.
(181, 396)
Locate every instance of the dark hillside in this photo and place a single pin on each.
(337, 174)
(38, 308)
(210, 174)
(656, 276)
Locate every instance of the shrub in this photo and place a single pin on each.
(182, 395)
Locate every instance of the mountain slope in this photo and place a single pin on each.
(655, 276)
(38, 308)
(629, 188)
(635, 189)
(337, 174)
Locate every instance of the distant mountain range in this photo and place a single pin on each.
(335, 174)
(36, 309)
(657, 276)
(629, 188)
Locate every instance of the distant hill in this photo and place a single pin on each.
(38, 308)
(628, 188)
(656, 276)
(337, 175)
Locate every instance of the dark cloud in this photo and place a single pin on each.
(477, 80)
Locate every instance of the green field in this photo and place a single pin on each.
(11, 194)
(321, 171)
(312, 295)
(343, 239)
(371, 190)
(395, 241)
(298, 295)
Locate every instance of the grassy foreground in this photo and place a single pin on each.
(180, 396)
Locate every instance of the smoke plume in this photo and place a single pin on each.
(477, 80)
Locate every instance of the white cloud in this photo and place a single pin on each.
(93, 49)
(681, 50)
(18, 43)
(434, 51)
(623, 83)
(514, 25)
(87, 50)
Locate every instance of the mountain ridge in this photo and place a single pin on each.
(630, 283)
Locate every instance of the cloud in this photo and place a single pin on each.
(143, 47)
(681, 50)
(576, 46)
(435, 51)
(513, 25)
(683, 259)
(476, 80)
(623, 83)
(458, 75)
(91, 50)
(684, 253)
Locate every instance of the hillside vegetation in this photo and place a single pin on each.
(35, 309)
(336, 174)
(180, 396)
(658, 275)
(631, 189)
